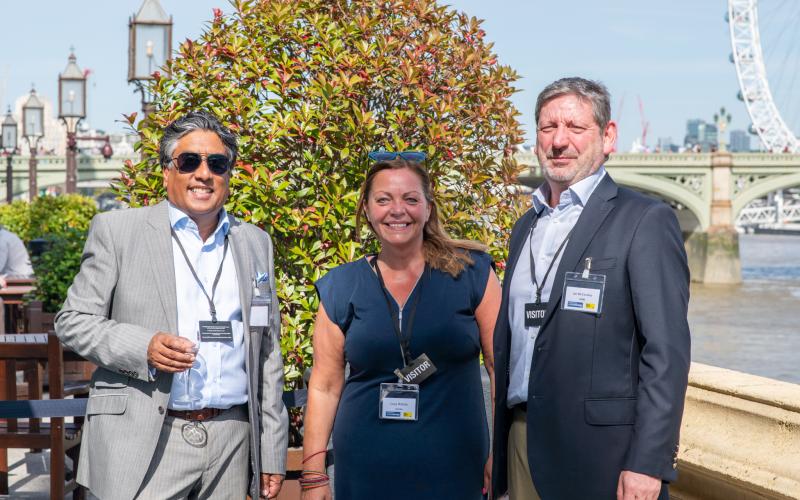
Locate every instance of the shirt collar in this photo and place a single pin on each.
(578, 193)
(180, 221)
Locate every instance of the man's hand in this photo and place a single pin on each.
(170, 353)
(271, 485)
(3, 282)
(633, 485)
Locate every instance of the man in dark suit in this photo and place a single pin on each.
(592, 340)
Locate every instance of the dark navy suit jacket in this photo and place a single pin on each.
(606, 391)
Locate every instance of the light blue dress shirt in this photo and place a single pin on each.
(221, 373)
(552, 228)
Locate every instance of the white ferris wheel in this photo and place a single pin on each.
(748, 56)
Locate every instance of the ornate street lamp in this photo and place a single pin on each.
(32, 130)
(9, 145)
(71, 110)
(149, 47)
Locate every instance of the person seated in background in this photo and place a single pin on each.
(14, 259)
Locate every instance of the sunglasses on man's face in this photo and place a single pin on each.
(415, 156)
(189, 162)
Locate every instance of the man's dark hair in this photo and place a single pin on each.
(594, 92)
(191, 121)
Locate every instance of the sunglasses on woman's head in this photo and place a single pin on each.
(189, 162)
(415, 156)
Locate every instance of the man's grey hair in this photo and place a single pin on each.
(594, 92)
(194, 120)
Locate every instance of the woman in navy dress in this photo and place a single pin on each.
(423, 293)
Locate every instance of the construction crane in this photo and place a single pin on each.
(645, 123)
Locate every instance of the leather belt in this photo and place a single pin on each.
(522, 406)
(197, 415)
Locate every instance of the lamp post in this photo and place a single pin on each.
(71, 110)
(32, 130)
(9, 145)
(149, 48)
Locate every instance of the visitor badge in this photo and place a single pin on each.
(216, 331)
(534, 314)
(259, 311)
(399, 402)
(416, 372)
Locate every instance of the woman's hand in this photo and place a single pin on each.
(321, 493)
(487, 476)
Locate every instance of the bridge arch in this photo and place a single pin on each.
(761, 189)
(667, 189)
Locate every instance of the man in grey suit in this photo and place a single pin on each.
(175, 289)
(592, 341)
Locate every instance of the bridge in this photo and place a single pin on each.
(758, 216)
(709, 192)
(93, 172)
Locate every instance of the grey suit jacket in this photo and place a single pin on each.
(123, 294)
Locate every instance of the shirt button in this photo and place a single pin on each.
(160, 410)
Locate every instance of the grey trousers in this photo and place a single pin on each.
(219, 470)
(520, 484)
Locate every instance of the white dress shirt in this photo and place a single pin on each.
(552, 228)
(221, 370)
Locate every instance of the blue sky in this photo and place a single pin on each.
(674, 55)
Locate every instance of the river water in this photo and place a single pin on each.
(753, 327)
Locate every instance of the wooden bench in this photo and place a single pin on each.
(62, 440)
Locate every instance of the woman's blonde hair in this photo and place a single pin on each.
(440, 250)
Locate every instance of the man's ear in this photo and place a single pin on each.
(609, 138)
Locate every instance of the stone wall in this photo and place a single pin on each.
(740, 437)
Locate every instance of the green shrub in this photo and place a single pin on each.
(57, 266)
(48, 215)
(310, 87)
(62, 221)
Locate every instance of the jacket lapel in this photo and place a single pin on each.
(162, 263)
(597, 208)
(244, 276)
(515, 247)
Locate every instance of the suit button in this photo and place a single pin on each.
(538, 349)
(160, 410)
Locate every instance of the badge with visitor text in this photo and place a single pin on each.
(534, 314)
(417, 371)
(584, 291)
(216, 331)
(399, 402)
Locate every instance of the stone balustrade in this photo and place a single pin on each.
(740, 437)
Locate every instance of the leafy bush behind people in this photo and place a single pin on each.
(310, 87)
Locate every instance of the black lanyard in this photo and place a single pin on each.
(211, 307)
(536, 284)
(405, 341)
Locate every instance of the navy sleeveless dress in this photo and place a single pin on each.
(440, 456)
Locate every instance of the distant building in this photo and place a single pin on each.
(665, 145)
(740, 141)
(700, 136)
